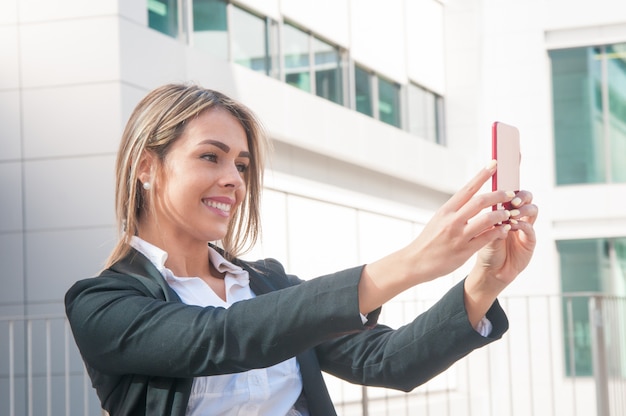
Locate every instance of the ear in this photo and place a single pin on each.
(147, 167)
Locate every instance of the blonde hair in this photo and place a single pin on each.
(155, 124)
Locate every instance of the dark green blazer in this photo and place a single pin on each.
(142, 346)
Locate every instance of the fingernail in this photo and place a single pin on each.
(514, 212)
(510, 194)
(512, 221)
(507, 212)
(516, 201)
(507, 227)
(492, 164)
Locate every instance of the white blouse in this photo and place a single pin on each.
(266, 391)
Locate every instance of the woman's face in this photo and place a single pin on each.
(202, 179)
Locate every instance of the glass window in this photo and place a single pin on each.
(594, 265)
(616, 84)
(163, 16)
(249, 40)
(363, 91)
(577, 116)
(328, 80)
(296, 57)
(210, 28)
(580, 267)
(425, 110)
(589, 102)
(388, 102)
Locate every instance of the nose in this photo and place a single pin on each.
(232, 177)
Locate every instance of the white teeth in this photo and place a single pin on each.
(219, 205)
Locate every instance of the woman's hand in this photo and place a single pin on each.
(499, 262)
(460, 228)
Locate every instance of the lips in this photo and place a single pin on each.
(221, 206)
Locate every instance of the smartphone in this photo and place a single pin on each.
(505, 148)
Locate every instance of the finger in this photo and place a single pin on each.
(527, 212)
(464, 194)
(499, 232)
(485, 222)
(527, 229)
(480, 202)
(521, 198)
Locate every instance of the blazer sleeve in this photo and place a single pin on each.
(404, 358)
(122, 327)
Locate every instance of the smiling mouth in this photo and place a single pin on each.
(220, 206)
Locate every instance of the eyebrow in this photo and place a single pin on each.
(226, 148)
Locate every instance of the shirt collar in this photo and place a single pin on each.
(158, 257)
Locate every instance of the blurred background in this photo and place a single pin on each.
(378, 112)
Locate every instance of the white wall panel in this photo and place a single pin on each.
(12, 261)
(70, 52)
(149, 58)
(275, 239)
(9, 57)
(9, 11)
(134, 10)
(424, 24)
(581, 13)
(322, 237)
(10, 126)
(69, 193)
(93, 128)
(377, 35)
(45, 10)
(328, 18)
(11, 199)
(380, 235)
(56, 259)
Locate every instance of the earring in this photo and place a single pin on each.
(147, 186)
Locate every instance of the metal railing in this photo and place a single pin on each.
(563, 355)
(41, 372)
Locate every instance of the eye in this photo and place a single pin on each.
(211, 157)
(242, 167)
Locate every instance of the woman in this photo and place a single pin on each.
(177, 326)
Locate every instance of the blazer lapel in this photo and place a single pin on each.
(137, 265)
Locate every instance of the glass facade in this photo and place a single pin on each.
(249, 40)
(163, 16)
(328, 69)
(363, 91)
(615, 59)
(210, 27)
(425, 114)
(296, 55)
(389, 102)
(592, 265)
(301, 59)
(589, 102)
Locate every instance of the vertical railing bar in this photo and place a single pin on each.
(29, 365)
(66, 352)
(622, 326)
(468, 383)
(551, 357)
(11, 368)
(489, 382)
(85, 391)
(530, 355)
(621, 308)
(510, 367)
(598, 350)
(571, 358)
(48, 370)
